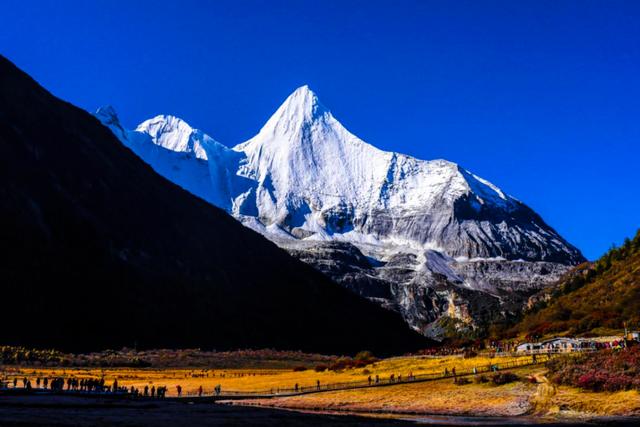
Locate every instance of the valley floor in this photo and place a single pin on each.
(260, 379)
(531, 397)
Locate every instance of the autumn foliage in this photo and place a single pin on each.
(607, 370)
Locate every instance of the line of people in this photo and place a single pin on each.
(68, 384)
(91, 385)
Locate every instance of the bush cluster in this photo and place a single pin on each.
(362, 359)
(504, 378)
(480, 379)
(24, 356)
(606, 370)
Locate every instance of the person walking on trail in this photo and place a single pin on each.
(446, 372)
(15, 382)
(369, 379)
(377, 379)
(146, 391)
(45, 382)
(318, 384)
(153, 391)
(200, 391)
(475, 371)
(179, 390)
(297, 387)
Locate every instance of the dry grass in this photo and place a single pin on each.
(445, 398)
(260, 379)
(434, 397)
(569, 400)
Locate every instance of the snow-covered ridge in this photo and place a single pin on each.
(304, 176)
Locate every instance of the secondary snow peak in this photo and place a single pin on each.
(175, 134)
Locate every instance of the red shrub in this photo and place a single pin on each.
(605, 370)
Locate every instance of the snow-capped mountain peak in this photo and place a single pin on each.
(306, 175)
(301, 107)
(177, 135)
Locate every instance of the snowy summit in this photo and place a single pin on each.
(305, 176)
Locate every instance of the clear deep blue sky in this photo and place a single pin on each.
(540, 97)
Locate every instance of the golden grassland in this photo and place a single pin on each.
(441, 397)
(260, 379)
(574, 401)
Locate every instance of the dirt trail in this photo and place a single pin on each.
(542, 400)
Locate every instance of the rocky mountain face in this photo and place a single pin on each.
(99, 251)
(447, 249)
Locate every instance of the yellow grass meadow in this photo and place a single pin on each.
(264, 379)
(443, 397)
(440, 397)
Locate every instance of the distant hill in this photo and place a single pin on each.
(594, 298)
(99, 251)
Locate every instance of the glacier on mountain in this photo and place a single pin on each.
(317, 190)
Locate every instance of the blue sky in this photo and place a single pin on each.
(540, 97)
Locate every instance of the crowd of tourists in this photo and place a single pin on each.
(92, 385)
(83, 385)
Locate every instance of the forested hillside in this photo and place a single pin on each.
(596, 298)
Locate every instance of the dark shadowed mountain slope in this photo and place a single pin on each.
(100, 251)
